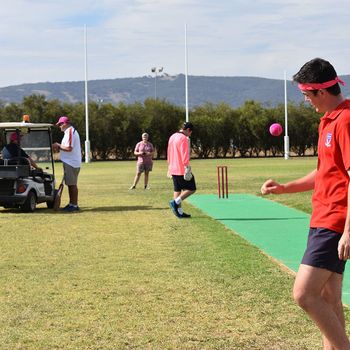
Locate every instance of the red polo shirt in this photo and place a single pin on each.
(329, 200)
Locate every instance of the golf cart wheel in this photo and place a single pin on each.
(30, 204)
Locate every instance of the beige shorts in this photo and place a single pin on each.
(70, 175)
(140, 167)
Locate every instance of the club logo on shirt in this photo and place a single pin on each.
(328, 139)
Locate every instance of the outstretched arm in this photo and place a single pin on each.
(33, 164)
(303, 184)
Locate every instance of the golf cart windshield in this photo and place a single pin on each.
(36, 142)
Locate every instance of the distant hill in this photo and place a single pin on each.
(232, 90)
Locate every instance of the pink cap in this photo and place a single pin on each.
(63, 120)
(15, 137)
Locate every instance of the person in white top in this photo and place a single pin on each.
(70, 154)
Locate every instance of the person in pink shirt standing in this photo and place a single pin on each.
(144, 152)
(180, 170)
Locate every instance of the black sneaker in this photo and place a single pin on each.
(184, 215)
(174, 208)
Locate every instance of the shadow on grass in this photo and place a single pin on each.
(84, 209)
(122, 208)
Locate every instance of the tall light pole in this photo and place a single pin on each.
(186, 74)
(87, 141)
(156, 70)
(186, 85)
(286, 137)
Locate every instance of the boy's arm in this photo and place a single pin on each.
(344, 243)
(302, 184)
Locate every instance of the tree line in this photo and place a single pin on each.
(220, 130)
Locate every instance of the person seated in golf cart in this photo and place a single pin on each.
(14, 150)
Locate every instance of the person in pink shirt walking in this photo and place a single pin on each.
(180, 170)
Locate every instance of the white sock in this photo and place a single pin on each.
(178, 200)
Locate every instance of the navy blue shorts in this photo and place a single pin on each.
(181, 184)
(322, 250)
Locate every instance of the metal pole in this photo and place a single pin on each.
(155, 85)
(87, 141)
(186, 86)
(186, 74)
(286, 137)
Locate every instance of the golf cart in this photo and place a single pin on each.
(22, 186)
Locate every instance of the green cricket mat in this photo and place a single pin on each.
(279, 231)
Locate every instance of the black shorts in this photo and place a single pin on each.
(322, 250)
(181, 184)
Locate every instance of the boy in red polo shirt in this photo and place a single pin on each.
(318, 284)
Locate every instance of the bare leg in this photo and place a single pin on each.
(73, 194)
(332, 294)
(136, 179)
(146, 178)
(176, 194)
(318, 292)
(186, 193)
(183, 195)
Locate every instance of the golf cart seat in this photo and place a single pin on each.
(17, 161)
(38, 175)
(14, 168)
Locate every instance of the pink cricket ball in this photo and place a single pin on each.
(276, 129)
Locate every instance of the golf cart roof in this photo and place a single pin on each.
(23, 125)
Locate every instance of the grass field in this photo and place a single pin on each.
(125, 273)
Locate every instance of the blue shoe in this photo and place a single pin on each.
(185, 216)
(70, 208)
(174, 207)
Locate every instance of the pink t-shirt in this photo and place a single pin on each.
(178, 153)
(143, 148)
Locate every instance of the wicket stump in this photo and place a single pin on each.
(222, 181)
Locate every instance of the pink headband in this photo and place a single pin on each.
(318, 86)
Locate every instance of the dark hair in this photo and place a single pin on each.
(188, 125)
(318, 70)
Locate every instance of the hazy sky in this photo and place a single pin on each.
(43, 40)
